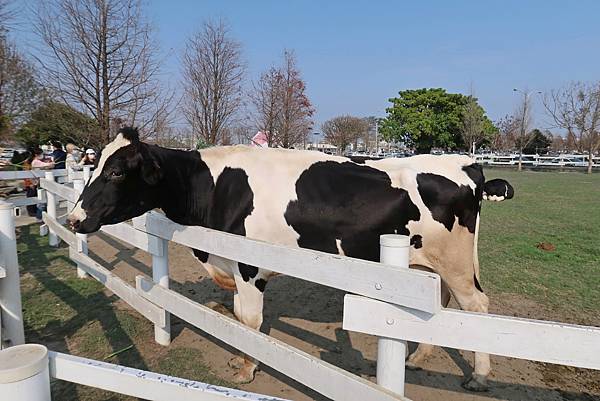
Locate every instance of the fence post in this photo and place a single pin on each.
(391, 353)
(51, 208)
(10, 290)
(86, 174)
(25, 373)
(160, 275)
(82, 245)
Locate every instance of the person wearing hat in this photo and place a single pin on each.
(89, 159)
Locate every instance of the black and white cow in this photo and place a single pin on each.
(299, 198)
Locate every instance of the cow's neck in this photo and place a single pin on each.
(187, 186)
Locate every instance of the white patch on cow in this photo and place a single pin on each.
(78, 213)
(272, 175)
(449, 166)
(338, 244)
(118, 143)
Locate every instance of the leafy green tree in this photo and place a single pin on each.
(429, 117)
(58, 121)
(539, 143)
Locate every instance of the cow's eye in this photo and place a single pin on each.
(116, 174)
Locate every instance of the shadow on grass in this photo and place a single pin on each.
(85, 299)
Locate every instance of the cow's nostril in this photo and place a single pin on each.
(75, 223)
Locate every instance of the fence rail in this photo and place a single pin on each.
(140, 383)
(419, 290)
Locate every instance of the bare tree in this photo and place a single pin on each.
(6, 13)
(294, 120)
(100, 57)
(265, 98)
(20, 94)
(504, 139)
(213, 72)
(523, 119)
(475, 126)
(576, 109)
(344, 130)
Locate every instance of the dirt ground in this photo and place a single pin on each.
(308, 316)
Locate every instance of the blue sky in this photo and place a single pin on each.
(354, 55)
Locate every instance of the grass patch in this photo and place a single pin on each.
(78, 316)
(560, 208)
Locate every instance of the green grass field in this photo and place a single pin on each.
(77, 316)
(560, 208)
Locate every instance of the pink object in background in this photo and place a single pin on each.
(260, 140)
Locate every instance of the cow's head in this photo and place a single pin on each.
(123, 185)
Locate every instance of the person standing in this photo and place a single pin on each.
(38, 162)
(72, 159)
(58, 155)
(89, 159)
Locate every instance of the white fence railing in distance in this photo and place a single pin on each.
(61, 176)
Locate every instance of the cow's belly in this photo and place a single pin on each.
(221, 271)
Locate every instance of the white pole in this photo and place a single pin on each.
(86, 174)
(160, 275)
(376, 138)
(24, 373)
(391, 353)
(10, 290)
(51, 208)
(82, 244)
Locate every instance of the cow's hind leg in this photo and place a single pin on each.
(471, 298)
(424, 351)
(248, 307)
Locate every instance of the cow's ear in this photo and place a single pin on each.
(151, 171)
(130, 133)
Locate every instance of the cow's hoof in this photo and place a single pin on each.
(243, 376)
(236, 362)
(410, 365)
(476, 383)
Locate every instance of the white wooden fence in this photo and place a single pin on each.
(25, 372)
(61, 175)
(390, 301)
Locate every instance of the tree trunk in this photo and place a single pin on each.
(520, 168)
(590, 161)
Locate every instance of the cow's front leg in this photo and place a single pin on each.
(248, 308)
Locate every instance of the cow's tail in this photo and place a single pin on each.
(497, 190)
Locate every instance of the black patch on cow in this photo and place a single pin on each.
(499, 187)
(261, 283)
(232, 202)
(447, 200)
(350, 202)
(475, 173)
(477, 285)
(416, 241)
(200, 255)
(247, 271)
